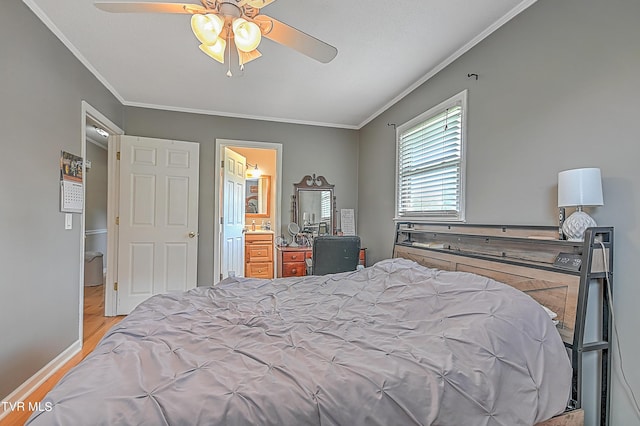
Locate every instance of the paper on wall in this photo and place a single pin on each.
(348, 221)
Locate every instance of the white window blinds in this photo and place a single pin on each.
(430, 165)
(325, 205)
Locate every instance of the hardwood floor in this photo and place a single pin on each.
(95, 325)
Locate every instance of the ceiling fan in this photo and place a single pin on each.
(221, 23)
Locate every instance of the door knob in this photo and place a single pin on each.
(192, 234)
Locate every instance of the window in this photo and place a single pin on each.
(430, 163)
(325, 205)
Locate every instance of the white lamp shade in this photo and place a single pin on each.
(247, 35)
(207, 27)
(580, 187)
(216, 51)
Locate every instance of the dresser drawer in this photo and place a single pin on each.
(260, 270)
(294, 269)
(295, 256)
(259, 253)
(258, 238)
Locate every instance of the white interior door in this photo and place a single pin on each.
(158, 219)
(233, 193)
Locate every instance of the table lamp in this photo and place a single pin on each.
(579, 188)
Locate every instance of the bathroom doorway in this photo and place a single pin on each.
(265, 156)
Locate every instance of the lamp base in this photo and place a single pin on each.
(573, 228)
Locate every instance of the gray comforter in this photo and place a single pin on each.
(393, 344)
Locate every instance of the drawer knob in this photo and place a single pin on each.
(294, 270)
(294, 256)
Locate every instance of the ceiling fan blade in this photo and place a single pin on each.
(137, 7)
(295, 39)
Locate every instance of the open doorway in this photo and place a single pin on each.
(95, 218)
(267, 157)
(96, 129)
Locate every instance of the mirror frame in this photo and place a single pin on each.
(313, 183)
(266, 186)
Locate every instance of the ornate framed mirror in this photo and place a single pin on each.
(258, 196)
(314, 205)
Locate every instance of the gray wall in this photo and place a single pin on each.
(332, 153)
(42, 86)
(557, 89)
(40, 114)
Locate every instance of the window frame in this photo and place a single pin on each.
(458, 99)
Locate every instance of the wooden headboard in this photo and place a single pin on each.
(533, 259)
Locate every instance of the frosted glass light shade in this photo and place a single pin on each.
(580, 187)
(247, 35)
(207, 27)
(216, 51)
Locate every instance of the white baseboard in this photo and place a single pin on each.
(32, 383)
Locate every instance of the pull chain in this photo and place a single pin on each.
(229, 47)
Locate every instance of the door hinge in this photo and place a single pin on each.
(118, 155)
(222, 164)
(117, 220)
(221, 220)
(220, 277)
(115, 286)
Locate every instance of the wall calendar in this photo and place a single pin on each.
(71, 183)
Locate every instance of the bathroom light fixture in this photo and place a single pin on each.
(579, 188)
(253, 172)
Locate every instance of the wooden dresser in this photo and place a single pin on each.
(291, 261)
(258, 255)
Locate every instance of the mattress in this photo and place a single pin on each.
(392, 344)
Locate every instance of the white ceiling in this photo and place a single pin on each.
(385, 49)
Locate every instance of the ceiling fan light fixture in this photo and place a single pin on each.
(247, 34)
(207, 27)
(216, 51)
(256, 3)
(245, 57)
(218, 23)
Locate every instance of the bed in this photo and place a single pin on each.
(393, 344)
(561, 275)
